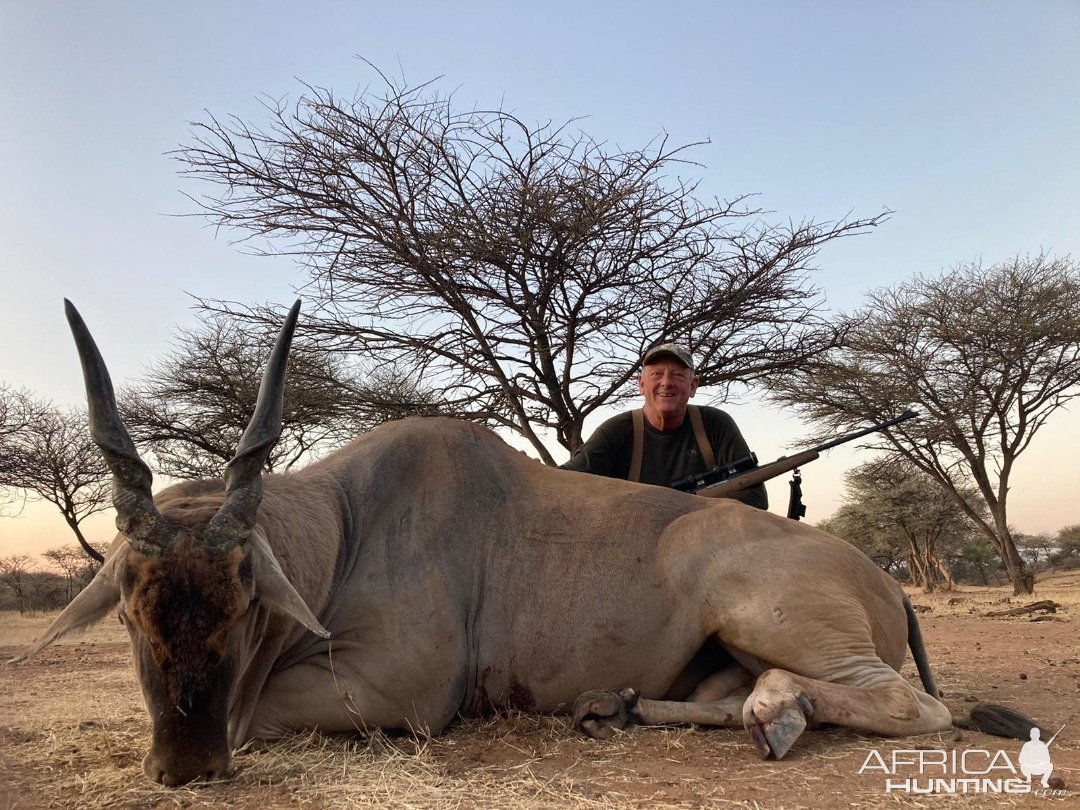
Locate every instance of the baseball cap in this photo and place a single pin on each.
(671, 350)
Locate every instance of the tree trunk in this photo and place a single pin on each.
(929, 567)
(946, 574)
(1023, 583)
(89, 549)
(919, 575)
(1023, 579)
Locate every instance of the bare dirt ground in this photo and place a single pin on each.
(73, 731)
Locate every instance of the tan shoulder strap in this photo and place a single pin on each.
(704, 447)
(638, 418)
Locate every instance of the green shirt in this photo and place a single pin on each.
(668, 455)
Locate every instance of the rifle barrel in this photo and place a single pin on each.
(858, 434)
(1051, 740)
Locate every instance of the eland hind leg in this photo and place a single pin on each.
(878, 701)
(775, 712)
(843, 680)
(820, 626)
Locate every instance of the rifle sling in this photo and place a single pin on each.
(704, 447)
(638, 452)
(638, 418)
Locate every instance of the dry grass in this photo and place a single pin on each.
(20, 630)
(1062, 587)
(73, 731)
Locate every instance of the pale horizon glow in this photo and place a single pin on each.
(961, 118)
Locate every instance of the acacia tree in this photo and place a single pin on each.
(525, 268)
(18, 410)
(886, 548)
(987, 353)
(192, 407)
(53, 457)
(1036, 549)
(74, 565)
(893, 503)
(17, 577)
(1067, 552)
(976, 557)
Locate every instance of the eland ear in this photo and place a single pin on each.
(274, 588)
(90, 606)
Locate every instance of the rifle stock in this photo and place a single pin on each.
(758, 475)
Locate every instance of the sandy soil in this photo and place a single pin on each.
(73, 731)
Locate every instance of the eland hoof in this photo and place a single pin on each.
(600, 714)
(775, 737)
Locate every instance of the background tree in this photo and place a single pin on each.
(193, 406)
(976, 560)
(894, 508)
(16, 577)
(1036, 549)
(52, 457)
(18, 410)
(886, 548)
(524, 268)
(1067, 553)
(76, 568)
(987, 353)
(47, 591)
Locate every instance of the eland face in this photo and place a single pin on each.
(188, 579)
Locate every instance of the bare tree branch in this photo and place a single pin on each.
(52, 456)
(524, 267)
(987, 353)
(194, 405)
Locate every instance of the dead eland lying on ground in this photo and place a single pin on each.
(428, 570)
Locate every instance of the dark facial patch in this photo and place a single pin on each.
(184, 606)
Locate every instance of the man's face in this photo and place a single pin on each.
(667, 386)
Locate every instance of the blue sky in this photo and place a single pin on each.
(962, 117)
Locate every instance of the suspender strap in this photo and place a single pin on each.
(638, 417)
(704, 447)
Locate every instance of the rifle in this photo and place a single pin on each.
(724, 480)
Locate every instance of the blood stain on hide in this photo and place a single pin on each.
(521, 697)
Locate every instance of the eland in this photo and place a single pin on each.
(429, 571)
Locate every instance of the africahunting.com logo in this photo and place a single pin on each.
(968, 771)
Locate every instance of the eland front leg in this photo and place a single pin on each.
(717, 701)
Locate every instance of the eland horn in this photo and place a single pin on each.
(136, 516)
(243, 475)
